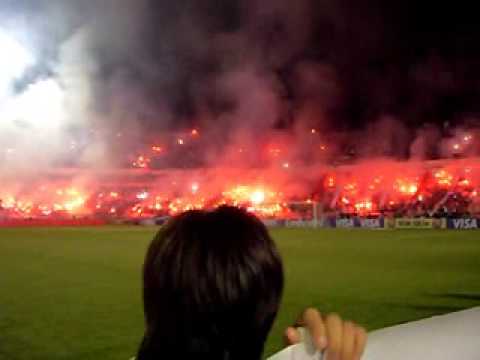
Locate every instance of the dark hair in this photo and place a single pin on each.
(212, 287)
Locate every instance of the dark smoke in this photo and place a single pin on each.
(378, 79)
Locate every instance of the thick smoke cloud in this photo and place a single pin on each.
(244, 70)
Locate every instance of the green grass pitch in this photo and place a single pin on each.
(76, 293)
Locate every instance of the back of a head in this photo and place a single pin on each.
(212, 287)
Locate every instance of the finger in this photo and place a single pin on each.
(360, 342)
(334, 335)
(348, 343)
(316, 327)
(292, 336)
(300, 322)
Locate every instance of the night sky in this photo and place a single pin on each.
(418, 61)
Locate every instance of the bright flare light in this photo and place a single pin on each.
(257, 197)
(195, 187)
(143, 195)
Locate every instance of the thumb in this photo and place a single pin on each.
(292, 336)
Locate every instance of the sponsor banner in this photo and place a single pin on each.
(154, 221)
(162, 220)
(417, 223)
(440, 223)
(463, 223)
(377, 223)
(389, 223)
(330, 222)
(147, 222)
(273, 222)
(348, 223)
(304, 223)
(50, 222)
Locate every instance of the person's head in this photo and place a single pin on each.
(212, 287)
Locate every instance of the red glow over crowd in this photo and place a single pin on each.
(372, 188)
(401, 188)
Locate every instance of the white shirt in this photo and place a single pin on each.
(454, 336)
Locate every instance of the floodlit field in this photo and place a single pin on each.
(75, 293)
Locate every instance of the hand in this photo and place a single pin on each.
(342, 340)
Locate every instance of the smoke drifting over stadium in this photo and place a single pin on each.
(276, 85)
(244, 68)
